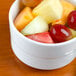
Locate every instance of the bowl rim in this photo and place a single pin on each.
(32, 41)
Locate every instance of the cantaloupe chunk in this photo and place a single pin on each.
(24, 17)
(31, 3)
(60, 21)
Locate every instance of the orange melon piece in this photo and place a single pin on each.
(60, 21)
(23, 18)
(67, 8)
(31, 3)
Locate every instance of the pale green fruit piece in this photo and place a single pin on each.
(37, 25)
(73, 32)
(50, 10)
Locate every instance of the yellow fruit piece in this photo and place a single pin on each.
(60, 21)
(23, 18)
(50, 10)
(37, 25)
(73, 32)
(67, 8)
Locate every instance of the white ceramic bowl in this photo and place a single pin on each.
(72, 1)
(39, 55)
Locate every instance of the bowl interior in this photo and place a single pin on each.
(15, 9)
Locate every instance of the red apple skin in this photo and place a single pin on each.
(44, 37)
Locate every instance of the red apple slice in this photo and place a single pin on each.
(41, 37)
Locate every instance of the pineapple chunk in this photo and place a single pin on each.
(50, 10)
(37, 25)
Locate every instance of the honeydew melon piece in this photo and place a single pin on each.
(37, 25)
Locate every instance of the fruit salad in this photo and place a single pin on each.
(47, 21)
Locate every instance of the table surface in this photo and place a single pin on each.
(9, 64)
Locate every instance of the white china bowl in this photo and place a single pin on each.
(39, 55)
